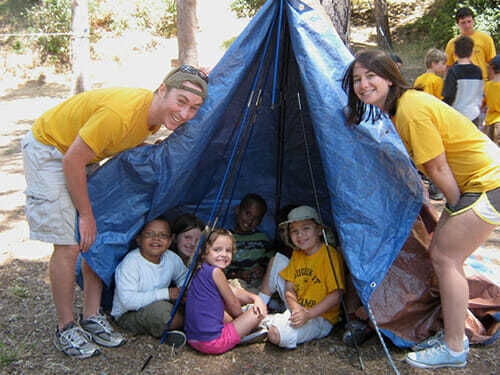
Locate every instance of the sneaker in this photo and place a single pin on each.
(75, 342)
(259, 335)
(436, 357)
(175, 338)
(356, 331)
(101, 331)
(437, 339)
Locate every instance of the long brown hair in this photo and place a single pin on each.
(210, 239)
(380, 63)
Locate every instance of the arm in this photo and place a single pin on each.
(440, 173)
(127, 278)
(75, 160)
(245, 297)
(450, 88)
(231, 303)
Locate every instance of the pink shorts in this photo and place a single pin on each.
(228, 339)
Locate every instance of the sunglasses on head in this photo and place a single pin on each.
(192, 70)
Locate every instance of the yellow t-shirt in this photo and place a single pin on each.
(492, 97)
(431, 83)
(484, 51)
(313, 278)
(429, 127)
(108, 120)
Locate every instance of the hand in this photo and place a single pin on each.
(259, 307)
(299, 317)
(174, 293)
(88, 231)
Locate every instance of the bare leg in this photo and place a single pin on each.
(92, 291)
(454, 240)
(264, 288)
(62, 281)
(178, 321)
(273, 335)
(246, 322)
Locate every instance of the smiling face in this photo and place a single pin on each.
(188, 241)
(248, 217)
(466, 25)
(220, 252)
(174, 107)
(306, 235)
(154, 240)
(369, 87)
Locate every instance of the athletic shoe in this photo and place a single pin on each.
(175, 338)
(75, 342)
(356, 331)
(436, 357)
(259, 335)
(437, 339)
(101, 331)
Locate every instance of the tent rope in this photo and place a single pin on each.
(316, 201)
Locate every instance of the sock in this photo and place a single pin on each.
(453, 353)
(264, 297)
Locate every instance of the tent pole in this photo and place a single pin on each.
(316, 200)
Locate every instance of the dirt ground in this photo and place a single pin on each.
(27, 313)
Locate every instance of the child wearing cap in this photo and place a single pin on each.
(492, 100)
(311, 290)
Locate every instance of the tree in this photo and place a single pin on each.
(382, 22)
(80, 44)
(187, 24)
(339, 12)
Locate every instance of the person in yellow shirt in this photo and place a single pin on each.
(431, 81)
(484, 47)
(61, 148)
(310, 288)
(492, 100)
(465, 166)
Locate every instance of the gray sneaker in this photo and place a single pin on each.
(101, 331)
(75, 342)
(437, 339)
(257, 336)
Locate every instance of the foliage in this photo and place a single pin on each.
(51, 16)
(105, 16)
(439, 25)
(246, 8)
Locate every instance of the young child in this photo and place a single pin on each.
(463, 85)
(253, 254)
(215, 321)
(492, 99)
(186, 231)
(307, 284)
(431, 82)
(141, 300)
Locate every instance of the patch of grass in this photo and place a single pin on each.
(19, 290)
(8, 355)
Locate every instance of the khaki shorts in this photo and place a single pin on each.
(485, 205)
(50, 212)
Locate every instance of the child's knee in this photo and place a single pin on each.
(273, 335)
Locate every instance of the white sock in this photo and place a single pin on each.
(453, 353)
(264, 297)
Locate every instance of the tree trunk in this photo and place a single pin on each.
(382, 21)
(187, 24)
(80, 44)
(339, 12)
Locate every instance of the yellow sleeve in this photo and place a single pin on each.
(450, 52)
(438, 88)
(424, 140)
(338, 264)
(288, 273)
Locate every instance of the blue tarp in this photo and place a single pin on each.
(367, 187)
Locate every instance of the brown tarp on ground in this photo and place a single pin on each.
(407, 301)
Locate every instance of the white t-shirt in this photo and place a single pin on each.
(140, 282)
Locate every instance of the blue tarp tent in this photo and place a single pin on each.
(274, 94)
